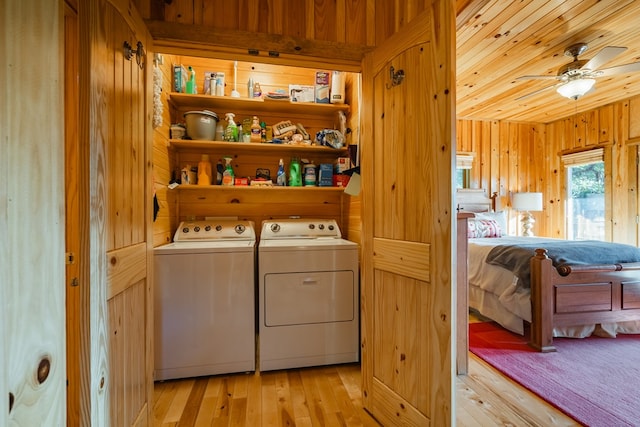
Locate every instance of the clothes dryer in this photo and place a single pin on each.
(308, 291)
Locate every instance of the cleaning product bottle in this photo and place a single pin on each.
(295, 179)
(256, 130)
(219, 172)
(204, 171)
(228, 177)
(231, 133)
(263, 132)
(281, 178)
(191, 83)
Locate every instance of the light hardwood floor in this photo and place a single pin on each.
(331, 396)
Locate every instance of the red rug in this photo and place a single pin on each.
(594, 380)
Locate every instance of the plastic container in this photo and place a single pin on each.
(295, 177)
(191, 83)
(281, 178)
(309, 174)
(204, 171)
(201, 124)
(228, 177)
(231, 132)
(256, 130)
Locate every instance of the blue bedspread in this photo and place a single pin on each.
(516, 258)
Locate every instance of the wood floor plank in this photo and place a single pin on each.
(182, 392)
(209, 400)
(331, 396)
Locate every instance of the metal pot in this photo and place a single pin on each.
(201, 124)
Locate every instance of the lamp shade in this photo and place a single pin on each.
(574, 89)
(526, 201)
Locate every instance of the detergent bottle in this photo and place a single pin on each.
(231, 133)
(295, 177)
(204, 171)
(228, 177)
(191, 83)
(281, 178)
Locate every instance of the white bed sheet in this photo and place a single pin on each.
(494, 294)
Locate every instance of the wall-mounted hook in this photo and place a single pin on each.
(141, 55)
(396, 77)
(127, 50)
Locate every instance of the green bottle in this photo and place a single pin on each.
(191, 83)
(295, 178)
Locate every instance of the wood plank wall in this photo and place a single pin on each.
(512, 157)
(358, 22)
(179, 205)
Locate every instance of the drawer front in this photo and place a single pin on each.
(630, 295)
(583, 297)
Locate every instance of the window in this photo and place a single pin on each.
(585, 195)
(464, 161)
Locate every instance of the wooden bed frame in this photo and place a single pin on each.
(570, 296)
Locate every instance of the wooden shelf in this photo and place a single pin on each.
(183, 101)
(253, 147)
(275, 188)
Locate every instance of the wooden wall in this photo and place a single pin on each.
(181, 204)
(357, 22)
(512, 157)
(32, 317)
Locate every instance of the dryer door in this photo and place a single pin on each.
(308, 297)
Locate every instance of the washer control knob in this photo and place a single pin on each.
(185, 229)
(218, 227)
(321, 226)
(275, 228)
(240, 228)
(196, 228)
(331, 227)
(207, 228)
(311, 226)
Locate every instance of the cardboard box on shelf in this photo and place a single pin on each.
(323, 81)
(301, 93)
(180, 78)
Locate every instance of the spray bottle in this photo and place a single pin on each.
(231, 133)
(228, 177)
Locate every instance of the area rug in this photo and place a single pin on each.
(594, 380)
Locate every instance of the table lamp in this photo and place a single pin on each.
(527, 203)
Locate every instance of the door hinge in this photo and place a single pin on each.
(70, 258)
(74, 282)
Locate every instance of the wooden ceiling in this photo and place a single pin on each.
(500, 40)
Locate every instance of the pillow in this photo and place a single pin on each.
(499, 217)
(477, 228)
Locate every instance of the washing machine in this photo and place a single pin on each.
(205, 300)
(308, 295)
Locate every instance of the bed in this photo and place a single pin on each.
(572, 299)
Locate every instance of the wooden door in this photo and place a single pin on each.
(72, 214)
(32, 276)
(120, 300)
(407, 278)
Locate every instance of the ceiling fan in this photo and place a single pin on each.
(578, 77)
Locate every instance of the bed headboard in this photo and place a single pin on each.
(475, 200)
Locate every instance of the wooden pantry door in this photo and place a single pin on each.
(408, 267)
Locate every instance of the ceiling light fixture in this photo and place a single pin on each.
(574, 89)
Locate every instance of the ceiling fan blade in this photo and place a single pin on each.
(620, 69)
(539, 78)
(605, 55)
(537, 92)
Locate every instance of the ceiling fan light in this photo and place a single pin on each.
(574, 89)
